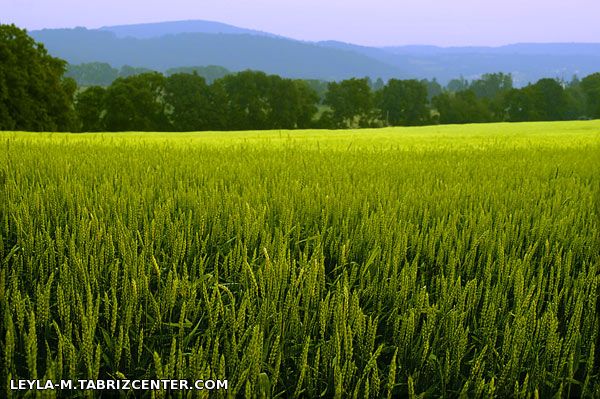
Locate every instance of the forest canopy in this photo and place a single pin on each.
(39, 92)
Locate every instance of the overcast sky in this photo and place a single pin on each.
(372, 22)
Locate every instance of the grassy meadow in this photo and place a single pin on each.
(437, 261)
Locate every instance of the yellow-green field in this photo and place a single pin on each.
(432, 261)
(505, 135)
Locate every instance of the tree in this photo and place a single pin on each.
(33, 93)
(461, 107)
(219, 104)
(519, 105)
(378, 85)
(404, 102)
(188, 99)
(456, 85)
(590, 85)
(90, 108)
(318, 86)
(259, 101)
(293, 104)
(576, 100)
(351, 102)
(248, 104)
(306, 105)
(490, 85)
(491, 89)
(433, 88)
(137, 103)
(549, 100)
(546, 100)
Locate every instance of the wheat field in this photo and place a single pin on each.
(440, 261)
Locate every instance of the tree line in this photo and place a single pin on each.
(36, 95)
(253, 100)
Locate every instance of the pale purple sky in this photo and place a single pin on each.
(372, 22)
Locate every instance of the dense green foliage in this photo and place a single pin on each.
(351, 102)
(404, 103)
(442, 261)
(185, 102)
(33, 95)
(90, 109)
(461, 107)
(547, 100)
(135, 103)
(188, 95)
(590, 86)
(493, 98)
(253, 100)
(491, 84)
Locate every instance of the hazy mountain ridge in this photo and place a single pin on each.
(528, 62)
(158, 29)
(285, 57)
(161, 46)
(518, 48)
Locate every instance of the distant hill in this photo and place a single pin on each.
(526, 62)
(158, 29)
(560, 49)
(285, 57)
(163, 46)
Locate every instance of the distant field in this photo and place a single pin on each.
(442, 260)
(504, 135)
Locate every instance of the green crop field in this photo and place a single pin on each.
(409, 262)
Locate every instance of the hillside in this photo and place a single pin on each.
(160, 46)
(158, 29)
(526, 62)
(285, 57)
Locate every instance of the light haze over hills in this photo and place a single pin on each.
(158, 29)
(160, 46)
